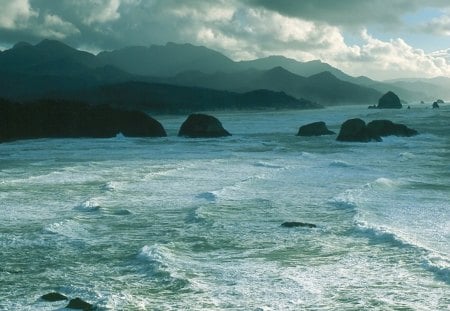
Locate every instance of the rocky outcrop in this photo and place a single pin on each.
(53, 297)
(314, 129)
(435, 105)
(79, 304)
(52, 119)
(387, 128)
(389, 101)
(294, 224)
(202, 125)
(355, 130)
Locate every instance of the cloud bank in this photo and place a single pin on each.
(242, 29)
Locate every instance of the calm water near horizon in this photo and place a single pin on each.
(194, 224)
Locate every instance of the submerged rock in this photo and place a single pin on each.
(53, 297)
(79, 304)
(388, 128)
(293, 224)
(355, 130)
(314, 129)
(389, 101)
(202, 125)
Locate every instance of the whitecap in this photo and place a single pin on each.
(338, 163)
(405, 156)
(383, 182)
(347, 199)
(164, 266)
(67, 228)
(266, 165)
(110, 186)
(91, 205)
(208, 196)
(439, 266)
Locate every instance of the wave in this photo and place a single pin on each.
(91, 205)
(428, 259)
(348, 199)
(67, 228)
(162, 264)
(338, 163)
(266, 165)
(208, 196)
(110, 186)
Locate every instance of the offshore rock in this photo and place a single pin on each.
(388, 128)
(58, 119)
(355, 130)
(314, 129)
(389, 101)
(294, 224)
(80, 304)
(53, 297)
(202, 125)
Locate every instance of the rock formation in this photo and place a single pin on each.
(357, 131)
(79, 304)
(389, 101)
(52, 119)
(314, 129)
(53, 297)
(293, 224)
(202, 125)
(387, 128)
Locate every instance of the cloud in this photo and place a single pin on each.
(392, 59)
(438, 26)
(15, 14)
(241, 29)
(386, 13)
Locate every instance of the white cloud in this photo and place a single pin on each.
(14, 14)
(55, 28)
(101, 11)
(438, 26)
(391, 59)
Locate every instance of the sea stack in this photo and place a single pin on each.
(202, 125)
(355, 130)
(314, 129)
(389, 101)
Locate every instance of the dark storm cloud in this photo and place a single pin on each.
(349, 12)
(241, 29)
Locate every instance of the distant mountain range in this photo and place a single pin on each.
(190, 78)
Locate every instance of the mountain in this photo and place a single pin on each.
(433, 88)
(51, 67)
(323, 88)
(53, 70)
(173, 59)
(167, 60)
(48, 56)
(31, 71)
(304, 69)
(166, 98)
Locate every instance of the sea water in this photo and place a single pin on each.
(195, 224)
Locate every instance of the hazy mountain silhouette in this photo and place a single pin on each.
(167, 60)
(172, 59)
(51, 68)
(166, 98)
(323, 88)
(431, 89)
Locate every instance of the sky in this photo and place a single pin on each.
(381, 39)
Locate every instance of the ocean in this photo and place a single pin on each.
(195, 224)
